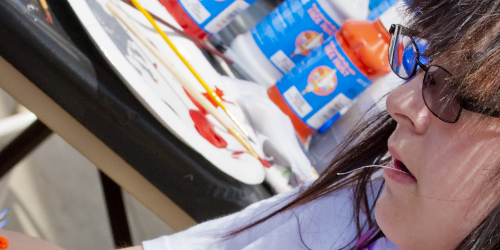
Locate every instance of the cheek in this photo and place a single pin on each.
(458, 170)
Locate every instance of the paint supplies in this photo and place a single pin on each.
(289, 34)
(203, 18)
(325, 83)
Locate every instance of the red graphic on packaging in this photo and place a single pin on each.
(306, 42)
(338, 60)
(320, 19)
(322, 81)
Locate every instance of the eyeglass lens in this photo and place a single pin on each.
(437, 94)
(403, 58)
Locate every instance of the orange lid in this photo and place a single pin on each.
(370, 43)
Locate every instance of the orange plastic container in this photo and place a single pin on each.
(366, 44)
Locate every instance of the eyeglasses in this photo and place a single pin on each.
(404, 58)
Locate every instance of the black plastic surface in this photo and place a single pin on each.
(63, 62)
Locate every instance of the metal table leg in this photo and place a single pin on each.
(116, 212)
(22, 145)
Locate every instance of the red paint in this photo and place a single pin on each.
(4, 243)
(265, 163)
(236, 155)
(206, 95)
(202, 110)
(219, 93)
(206, 129)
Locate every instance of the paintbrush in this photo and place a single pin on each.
(45, 8)
(204, 102)
(210, 92)
(195, 40)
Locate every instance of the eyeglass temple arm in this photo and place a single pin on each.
(423, 66)
(482, 110)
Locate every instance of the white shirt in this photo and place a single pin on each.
(326, 223)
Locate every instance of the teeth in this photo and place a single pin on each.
(392, 165)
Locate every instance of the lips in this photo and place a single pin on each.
(398, 171)
(401, 166)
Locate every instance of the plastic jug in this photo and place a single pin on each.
(327, 81)
(289, 34)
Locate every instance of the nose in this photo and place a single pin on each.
(406, 105)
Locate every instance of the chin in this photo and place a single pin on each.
(388, 219)
(400, 226)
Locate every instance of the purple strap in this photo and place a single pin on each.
(380, 244)
(363, 238)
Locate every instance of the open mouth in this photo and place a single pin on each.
(399, 172)
(399, 165)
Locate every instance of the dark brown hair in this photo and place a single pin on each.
(466, 35)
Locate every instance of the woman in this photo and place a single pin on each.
(439, 141)
(441, 133)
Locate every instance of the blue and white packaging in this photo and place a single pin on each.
(214, 15)
(323, 85)
(290, 33)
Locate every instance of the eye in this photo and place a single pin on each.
(431, 80)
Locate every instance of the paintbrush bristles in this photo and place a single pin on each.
(205, 103)
(45, 8)
(243, 142)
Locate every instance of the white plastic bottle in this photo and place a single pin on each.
(290, 33)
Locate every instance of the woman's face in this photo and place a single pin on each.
(451, 190)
